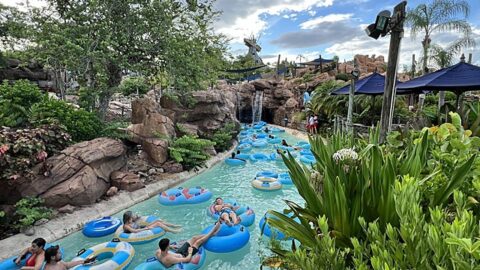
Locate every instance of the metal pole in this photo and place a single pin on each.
(398, 19)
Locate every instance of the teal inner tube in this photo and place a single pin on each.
(234, 162)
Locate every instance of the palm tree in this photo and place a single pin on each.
(440, 16)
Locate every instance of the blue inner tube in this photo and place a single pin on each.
(285, 179)
(243, 156)
(307, 159)
(245, 147)
(245, 213)
(101, 227)
(302, 143)
(257, 126)
(274, 140)
(196, 263)
(277, 130)
(227, 239)
(261, 136)
(267, 174)
(259, 143)
(246, 141)
(259, 157)
(178, 196)
(287, 148)
(9, 263)
(306, 152)
(235, 162)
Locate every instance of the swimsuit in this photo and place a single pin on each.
(183, 250)
(31, 260)
(134, 225)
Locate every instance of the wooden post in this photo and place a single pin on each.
(278, 66)
(321, 66)
(470, 58)
(388, 105)
(411, 100)
(351, 94)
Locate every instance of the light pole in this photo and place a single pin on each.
(355, 74)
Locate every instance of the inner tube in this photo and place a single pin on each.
(235, 162)
(122, 252)
(287, 148)
(304, 146)
(302, 143)
(143, 236)
(277, 130)
(101, 227)
(259, 143)
(274, 140)
(306, 152)
(245, 213)
(308, 159)
(245, 147)
(267, 174)
(269, 232)
(257, 126)
(228, 238)
(178, 196)
(285, 179)
(246, 141)
(243, 156)
(266, 184)
(9, 263)
(259, 157)
(197, 262)
(261, 136)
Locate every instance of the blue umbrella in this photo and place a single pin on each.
(458, 78)
(373, 85)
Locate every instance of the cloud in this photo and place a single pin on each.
(313, 23)
(243, 18)
(324, 33)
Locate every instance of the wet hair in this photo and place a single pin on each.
(216, 199)
(127, 216)
(40, 242)
(51, 252)
(163, 244)
(238, 151)
(233, 155)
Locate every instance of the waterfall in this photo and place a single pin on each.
(257, 107)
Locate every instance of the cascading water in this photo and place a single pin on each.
(257, 107)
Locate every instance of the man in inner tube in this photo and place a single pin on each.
(185, 253)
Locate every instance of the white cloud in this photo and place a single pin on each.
(310, 24)
(243, 18)
(312, 12)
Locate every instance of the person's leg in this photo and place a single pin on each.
(224, 218)
(234, 218)
(200, 241)
(160, 224)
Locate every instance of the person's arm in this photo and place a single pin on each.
(19, 258)
(71, 264)
(174, 260)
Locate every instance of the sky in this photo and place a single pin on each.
(323, 27)
(318, 27)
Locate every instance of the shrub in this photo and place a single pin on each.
(80, 124)
(189, 151)
(342, 76)
(223, 137)
(22, 149)
(28, 210)
(15, 100)
(307, 77)
(134, 85)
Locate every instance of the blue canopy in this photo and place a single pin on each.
(371, 85)
(457, 78)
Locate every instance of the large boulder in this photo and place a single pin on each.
(126, 181)
(261, 84)
(78, 175)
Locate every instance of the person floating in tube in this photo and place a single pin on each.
(226, 212)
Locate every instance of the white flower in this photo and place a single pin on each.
(345, 154)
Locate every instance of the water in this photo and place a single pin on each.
(257, 107)
(225, 181)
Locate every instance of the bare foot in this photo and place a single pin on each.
(175, 230)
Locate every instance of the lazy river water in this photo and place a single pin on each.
(225, 181)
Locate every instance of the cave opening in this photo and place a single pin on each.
(245, 115)
(268, 115)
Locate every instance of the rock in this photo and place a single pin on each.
(41, 222)
(141, 107)
(291, 103)
(126, 181)
(261, 84)
(112, 191)
(211, 151)
(78, 175)
(172, 167)
(152, 171)
(156, 149)
(160, 170)
(29, 231)
(67, 209)
(187, 129)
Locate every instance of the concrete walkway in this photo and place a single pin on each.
(69, 223)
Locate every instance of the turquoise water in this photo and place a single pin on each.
(225, 181)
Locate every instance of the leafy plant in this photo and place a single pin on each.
(342, 76)
(81, 125)
(189, 151)
(223, 137)
(29, 210)
(15, 100)
(134, 85)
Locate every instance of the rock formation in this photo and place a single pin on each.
(78, 175)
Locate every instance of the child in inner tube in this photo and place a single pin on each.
(226, 212)
(130, 224)
(53, 257)
(234, 157)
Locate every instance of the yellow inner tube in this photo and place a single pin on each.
(266, 183)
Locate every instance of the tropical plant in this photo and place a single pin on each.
(134, 85)
(223, 137)
(15, 101)
(29, 210)
(189, 150)
(323, 103)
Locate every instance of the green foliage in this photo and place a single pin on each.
(22, 149)
(324, 104)
(115, 130)
(342, 76)
(298, 117)
(15, 100)
(307, 77)
(190, 151)
(87, 98)
(28, 210)
(223, 137)
(134, 85)
(80, 124)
